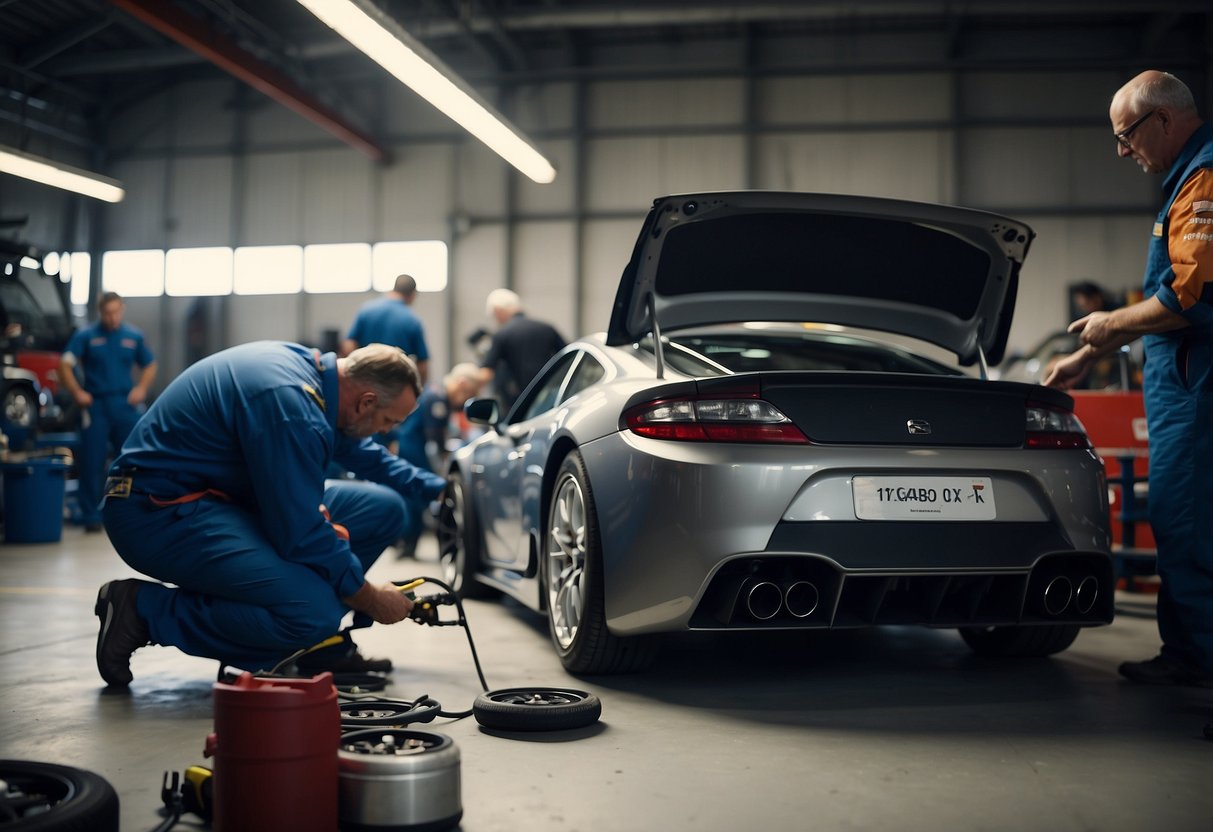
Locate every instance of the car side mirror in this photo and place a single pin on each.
(482, 411)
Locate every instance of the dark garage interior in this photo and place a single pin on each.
(724, 414)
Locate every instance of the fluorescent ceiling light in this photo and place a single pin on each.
(28, 166)
(390, 46)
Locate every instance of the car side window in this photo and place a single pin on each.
(544, 396)
(587, 372)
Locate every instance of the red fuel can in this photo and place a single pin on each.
(275, 749)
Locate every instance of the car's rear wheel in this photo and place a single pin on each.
(573, 582)
(1039, 640)
(459, 541)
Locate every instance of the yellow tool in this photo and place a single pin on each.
(338, 639)
(411, 585)
(193, 792)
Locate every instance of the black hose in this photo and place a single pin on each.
(276, 671)
(460, 621)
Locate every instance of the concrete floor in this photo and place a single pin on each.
(894, 729)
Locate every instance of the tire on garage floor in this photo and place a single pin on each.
(63, 798)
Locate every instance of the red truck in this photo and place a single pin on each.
(35, 325)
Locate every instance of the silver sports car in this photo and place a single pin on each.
(730, 454)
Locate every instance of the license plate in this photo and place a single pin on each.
(923, 498)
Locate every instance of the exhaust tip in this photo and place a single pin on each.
(801, 599)
(762, 599)
(1057, 595)
(1086, 595)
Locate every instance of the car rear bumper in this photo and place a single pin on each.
(789, 591)
(683, 524)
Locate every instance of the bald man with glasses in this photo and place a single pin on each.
(1156, 125)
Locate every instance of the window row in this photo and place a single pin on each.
(257, 270)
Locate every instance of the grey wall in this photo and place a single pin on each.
(209, 163)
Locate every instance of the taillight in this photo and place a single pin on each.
(1050, 429)
(713, 420)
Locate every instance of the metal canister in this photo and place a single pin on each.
(398, 779)
(273, 749)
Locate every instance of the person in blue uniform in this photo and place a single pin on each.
(422, 437)
(391, 320)
(1156, 124)
(96, 369)
(220, 492)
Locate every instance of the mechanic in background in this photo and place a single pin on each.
(1156, 125)
(519, 349)
(1087, 296)
(96, 370)
(220, 490)
(391, 320)
(422, 438)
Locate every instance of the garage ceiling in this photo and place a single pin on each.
(67, 66)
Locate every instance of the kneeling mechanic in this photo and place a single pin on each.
(220, 490)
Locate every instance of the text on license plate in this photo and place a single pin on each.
(923, 498)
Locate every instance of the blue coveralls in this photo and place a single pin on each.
(390, 321)
(1178, 384)
(259, 571)
(428, 423)
(104, 359)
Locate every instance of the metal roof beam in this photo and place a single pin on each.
(25, 122)
(61, 42)
(225, 53)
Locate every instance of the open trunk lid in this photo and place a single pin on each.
(942, 274)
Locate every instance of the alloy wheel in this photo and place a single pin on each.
(566, 560)
(452, 553)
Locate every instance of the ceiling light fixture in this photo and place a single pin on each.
(385, 42)
(58, 175)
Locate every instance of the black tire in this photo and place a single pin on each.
(18, 409)
(78, 799)
(536, 709)
(459, 541)
(1039, 640)
(574, 595)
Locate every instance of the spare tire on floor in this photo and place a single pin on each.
(42, 797)
(536, 709)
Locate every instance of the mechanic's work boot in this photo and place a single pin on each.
(351, 662)
(406, 548)
(1162, 670)
(341, 658)
(355, 662)
(122, 631)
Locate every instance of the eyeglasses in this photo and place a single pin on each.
(1123, 136)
